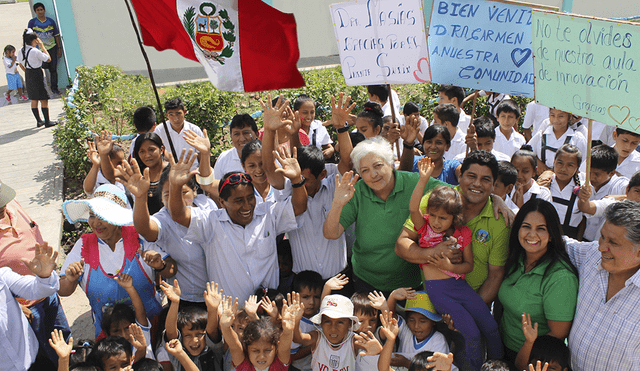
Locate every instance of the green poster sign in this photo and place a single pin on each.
(588, 67)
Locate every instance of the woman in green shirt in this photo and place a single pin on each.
(540, 279)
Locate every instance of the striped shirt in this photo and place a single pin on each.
(605, 334)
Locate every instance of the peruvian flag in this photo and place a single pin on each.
(244, 45)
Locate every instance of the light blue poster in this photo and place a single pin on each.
(482, 45)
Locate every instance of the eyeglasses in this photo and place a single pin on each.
(235, 179)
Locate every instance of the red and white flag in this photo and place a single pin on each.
(244, 45)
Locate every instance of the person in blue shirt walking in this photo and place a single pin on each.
(47, 30)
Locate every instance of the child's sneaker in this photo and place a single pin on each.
(7, 96)
(23, 97)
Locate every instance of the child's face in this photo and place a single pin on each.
(507, 120)
(435, 147)
(565, 166)
(176, 116)
(367, 322)
(241, 136)
(238, 326)
(445, 99)
(525, 170)
(500, 189)
(193, 340)
(188, 195)
(253, 166)
(485, 144)
(307, 113)
(419, 325)
(600, 177)
(311, 300)
(118, 159)
(116, 363)
(625, 143)
(559, 119)
(261, 354)
(364, 127)
(439, 220)
(120, 328)
(633, 194)
(10, 53)
(335, 329)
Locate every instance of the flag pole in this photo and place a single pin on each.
(153, 82)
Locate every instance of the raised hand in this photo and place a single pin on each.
(296, 123)
(180, 172)
(288, 166)
(136, 337)
(272, 119)
(129, 175)
(251, 306)
(539, 366)
(403, 294)
(43, 262)
(269, 307)
(92, 154)
(377, 300)
(124, 280)
(213, 295)
(370, 345)
(389, 327)
(104, 143)
(446, 318)
(294, 300)
(471, 139)
(74, 270)
(341, 110)
(152, 258)
(391, 132)
(529, 329)
(172, 292)
(228, 313)
(201, 144)
(174, 347)
(337, 282)
(440, 361)
(63, 349)
(425, 167)
(585, 192)
(345, 187)
(288, 317)
(409, 131)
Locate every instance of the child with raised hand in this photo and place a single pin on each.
(63, 349)
(334, 283)
(105, 156)
(389, 330)
(174, 348)
(112, 353)
(544, 349)
(262, 346)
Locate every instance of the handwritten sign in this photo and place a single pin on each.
(588, 67)
(482, 45)
(381, 41)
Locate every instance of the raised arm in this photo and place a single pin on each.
(340, 118)
(69, 281)
(425, 168)
(173, 294)
(390, 331)
(305, 339)
(408, 132)
(584, 204)
(334, 283)
(213, 298)
(90, 180)
(138, 185)
(104, 144)
(272, 122)
(126, 281)
(288, 325)
(179, 175)
(290, 169)
(332, 229)
(227, 316)
(530, 331)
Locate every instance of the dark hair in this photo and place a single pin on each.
(634, 181)
(433, 131)
(153, 137)
(483, 158)
(311, 280)
(27, 39)
(452, 92)
(620, 131)
(373, 112)
(547, 348)
(419, 361)
(147, 364)
(38, 5)
(284, 246)
(249, 149)
(571, 149)
(226, 191)
(80, 353)
(174, 103)
(604, 158)
(115, 149)
(362, 304)
(526, 151)
(164, 176)
(448, 200)
(447, 112)
(194, 316)
(380, 91)
(111, 346)
(8, 48)
(410, 108)
(508, 106)
(507, 173)
(556, 251)
(242, 120)
(144, 118)
(263, 329)
(311, 157)
(356, 138)
(495, 365)
(84, 366)
(300, 99)
(484, 127)
(387, 119)
(116, 313)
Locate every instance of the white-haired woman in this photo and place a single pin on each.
(379, 206)
(113, 248)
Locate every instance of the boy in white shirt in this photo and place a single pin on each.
(535, 114)
(504, 183)
(455, 95)
(243, 129)
(483, 139)
(175, 112)
(447, 115)
(628, 158)
(508, 140)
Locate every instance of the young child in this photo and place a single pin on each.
(484, 139)
(263, 346)
(309, 285)
(455, 95)
(546, 143)
(410, 109)
(13, 77)
(306, 108)
(504, 184)
(285, 264)
(112, 353)
(447, 115)
(195, 327)
(175, 112)
(369, 120)
(526, 188)
(508, 140)
(444, 281)
(112, 156)
(243, 129)
(566, 178)
(144, 119)
(543, 349)
(628, 157)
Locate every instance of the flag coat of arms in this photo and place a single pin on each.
(244, 45)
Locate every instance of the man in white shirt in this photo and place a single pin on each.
(243, 129)
(628, 158)
(455, 95)
(175, 112)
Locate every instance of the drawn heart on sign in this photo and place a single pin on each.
(519, 56)
(616, 114)
(420, 74)
(634, 121)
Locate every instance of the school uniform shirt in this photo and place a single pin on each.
(493, 100)
(511, 205)
(535, 189)
(179, 143)
(18, 341)
(318, 134)
(464, 121)
(565, 194)
(458, 144)
(498, 155)
(36, 57)
(227, 162)
(309, 248)
(242, 259)
(570, 136)
(629, 165)
(534, 115)
(508, 146)
(409, 346)
(615, 186)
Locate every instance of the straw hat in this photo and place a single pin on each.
(6, 194)
(422, 305)
(336, 306)
(108, 203)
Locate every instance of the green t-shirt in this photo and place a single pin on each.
(551, 297)
(489, 243)
(378, 225)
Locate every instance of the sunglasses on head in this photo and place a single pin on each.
(235, 179)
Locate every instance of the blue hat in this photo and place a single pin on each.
(108, 203)
(422, 305)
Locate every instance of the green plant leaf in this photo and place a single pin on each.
(187, 21)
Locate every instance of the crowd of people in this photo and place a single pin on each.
(452, 244)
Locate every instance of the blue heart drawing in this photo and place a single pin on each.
(519, 56)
